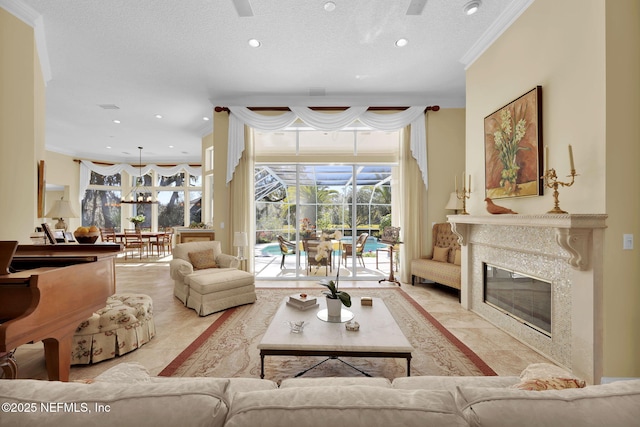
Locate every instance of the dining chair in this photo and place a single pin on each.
(163, 241)
(286, 248)
(133, 241)
(108, 235)
(348, 249)
(311, 249)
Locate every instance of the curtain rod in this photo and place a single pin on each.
(429, 108)
(195, 165)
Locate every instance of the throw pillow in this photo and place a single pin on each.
(545, 376)
(440, 254)
(202, 259)
(541, 384)
(458, 258)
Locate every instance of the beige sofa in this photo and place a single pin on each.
(127, 395)
(443, 264)
(207, 280)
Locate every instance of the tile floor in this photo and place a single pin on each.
(177, 326)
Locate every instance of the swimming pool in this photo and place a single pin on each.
(273, 249)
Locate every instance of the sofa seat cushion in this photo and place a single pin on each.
(335, 382)
(449, 383)
(219, 279)
(611, 405)
(353, 406)
(440, 272)
(104, 404)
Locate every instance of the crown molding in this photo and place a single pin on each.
(495, 30)
(31, 17)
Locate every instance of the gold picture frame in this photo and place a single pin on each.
(513, 148)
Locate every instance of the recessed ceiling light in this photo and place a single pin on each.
(158, 116)
(206, 119)
(402, 42)
(108, 147)
(254, 43)
(472, 7)
(116, 121)
(171, 146)
(329, 6)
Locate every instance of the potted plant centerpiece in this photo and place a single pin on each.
(335, 297)
(137, 220)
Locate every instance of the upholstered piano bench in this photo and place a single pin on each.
(125, 324)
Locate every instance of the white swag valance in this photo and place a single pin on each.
(241, 116)
(86, 167)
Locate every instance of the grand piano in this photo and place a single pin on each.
(53, 289)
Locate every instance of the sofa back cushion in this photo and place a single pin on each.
(107, 404)
(353, 406)
(182, 250)
(611, 405)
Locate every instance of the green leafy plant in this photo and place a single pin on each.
(334, 292)
(138, 219)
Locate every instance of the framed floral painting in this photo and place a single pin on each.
(513, 148)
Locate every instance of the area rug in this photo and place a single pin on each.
(228, 348)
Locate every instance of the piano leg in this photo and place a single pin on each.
(57, 354)
(9, 365)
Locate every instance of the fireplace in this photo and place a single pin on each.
(561, 259)
(523, 297)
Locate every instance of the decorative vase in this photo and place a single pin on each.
(334, 307)
(137, 226)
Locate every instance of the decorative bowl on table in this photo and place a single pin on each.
(86, 234)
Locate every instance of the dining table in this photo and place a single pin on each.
(149, 236)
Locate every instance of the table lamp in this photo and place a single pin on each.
(454, 203)
(61, 209)
(240, 240)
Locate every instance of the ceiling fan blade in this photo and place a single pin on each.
(416, 7)
(243, 7)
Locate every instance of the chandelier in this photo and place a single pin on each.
(139, 194)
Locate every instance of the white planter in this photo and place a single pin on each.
(334, 307)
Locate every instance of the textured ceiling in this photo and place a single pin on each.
(181, 58)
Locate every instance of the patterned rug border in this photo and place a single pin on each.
(173, 366)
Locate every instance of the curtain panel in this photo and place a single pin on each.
(414, 116)
(86, 167)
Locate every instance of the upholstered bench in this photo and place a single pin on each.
(123, 325)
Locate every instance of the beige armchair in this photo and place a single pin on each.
(207, 280)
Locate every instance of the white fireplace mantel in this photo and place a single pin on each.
(573, 231)
(564, 250)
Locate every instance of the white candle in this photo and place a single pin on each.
(469, 184)
(455, 179)
(573, 168)
(464, 181)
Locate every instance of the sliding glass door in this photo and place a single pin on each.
(303, 203)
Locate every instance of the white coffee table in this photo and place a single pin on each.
(379, 335)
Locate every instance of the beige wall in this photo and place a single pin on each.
(221, 193)
(575, 54)
(63, 171)
(21, 127)
(622, 198)
(446, 157)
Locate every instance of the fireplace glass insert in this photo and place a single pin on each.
(523, 297)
